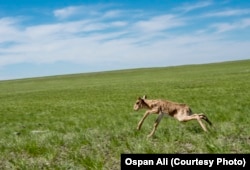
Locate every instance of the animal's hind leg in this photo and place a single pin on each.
(193, 117)
(157, 121)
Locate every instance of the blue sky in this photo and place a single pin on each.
(45, 37)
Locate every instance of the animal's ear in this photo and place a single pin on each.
(144, 97)
(139, 98)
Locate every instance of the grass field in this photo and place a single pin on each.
(85, 121)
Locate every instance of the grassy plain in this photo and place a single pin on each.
(85, 121)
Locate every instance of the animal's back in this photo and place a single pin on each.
(171, 108)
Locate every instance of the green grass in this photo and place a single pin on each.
(85, 121)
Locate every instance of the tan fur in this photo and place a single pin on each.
(179, 111)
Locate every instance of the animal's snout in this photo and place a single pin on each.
(136, 107)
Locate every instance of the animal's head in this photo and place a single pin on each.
(139, 103)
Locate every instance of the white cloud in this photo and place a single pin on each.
(112, 13)
(158, 23)
(119, 23)
(224, 27)
(227, 13)
(193, 6)
(67, 12)
(245, 23)
(86, 11)
(74, 11)
(8, 29)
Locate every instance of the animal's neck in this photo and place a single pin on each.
(146, 103)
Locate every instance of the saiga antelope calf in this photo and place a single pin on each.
(179, 111)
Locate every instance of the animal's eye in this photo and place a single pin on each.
(137, 102)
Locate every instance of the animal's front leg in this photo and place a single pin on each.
(157, 121)
(142, 120)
